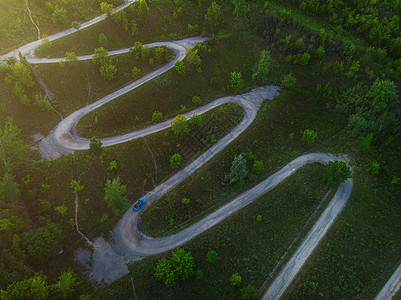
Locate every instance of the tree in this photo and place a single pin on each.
(66, 284)
(100, 56)
(136, 72)
(337, 172)
(180, 67)
(76, 25)
(13, 149)
(160, 54)
(257, 167)
(136, 50)
(175, 161)
(59, 16)
(179, 125)
(249, 292)
(239, 7)
(213, 18)
(76, 185)
(181, 266)
(235, 279)
(41, 244)
(262, 67)
(35, 288)
(238, 170)
(196, 100)
(309, 136)
(134, 28)
(304, 59)
(9, 189)
(143, 12)
(196, 119)
(95, 147)
(183, 263)
(374, 167)
(212, 256)
(157, 116)
(236, 81)
(107, 8)
(116, 196)
(103, 40)
(108, 71)
(20, 73)
(71, 57)
(145, 53)
(193, 57)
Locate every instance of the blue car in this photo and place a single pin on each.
(138, 204)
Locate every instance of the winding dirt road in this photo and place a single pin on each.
(129, 240)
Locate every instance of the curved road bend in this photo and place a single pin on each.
(27, 50)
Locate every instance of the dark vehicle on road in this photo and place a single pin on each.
(138, 204)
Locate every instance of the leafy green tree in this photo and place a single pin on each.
(13, 148)
(183, 263)
(157, 116)
(20, 73)
(160, 54)
(103, 40)
(320, 53)
(95, 147)
(134, 28)
(41, 244)
(143, 12)
(213, 18)
(196, 100)
(249, 292)
(196, 119)
(374, 167)
(136, 72)
(9, 189)
(304, 59)
(136, 50)
(212, 256)
(179, 125)
(181, 266)
(34, 288)
(235, 279)
(262, 67)
(108, 71)
(180, 67)
(116, 196)
(309, 136)
(257, 167)
(76, 25)
(236, 81)
(100, 57)
(239, 7)
(71, 57)
(59, 16)
(288, 81)
(193, 58)
(107, 8)
(66, 284)
(238, 170)
(337, 172)
(175, 161)
(145, 53)
(164, 272)
(76, 185)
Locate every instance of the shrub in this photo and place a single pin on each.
(236, 81)
(196, 100)
(157, 116)
(136, 72)
(337, 172)
(179, 125)
(257, 167)
(212, 256)
(249, 292)
(374, 167)
(304, 59)
(288, 81)
(309, 136)
(180, 67)
(235, 279)
(175, 161)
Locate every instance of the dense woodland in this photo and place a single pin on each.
(338, 64)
